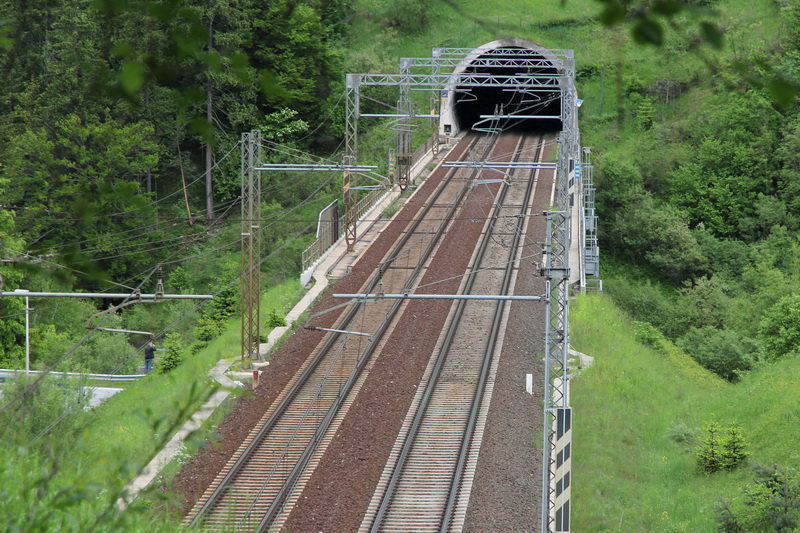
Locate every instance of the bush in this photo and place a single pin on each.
(645, 333)
(780, 328)
(683, 434)
(721, 449)
(275, 321)
(646, 302)
(411, 16)
(772, 503)
(724, 352)
(53, 405)
(173, 353)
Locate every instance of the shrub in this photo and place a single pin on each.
(52, 407)
(173, 353)
(780, 327)
(275, 321)
(724, 352)
(647, 334)
(645, 302)
(410, 16)
(772, 503)
(683, 434)
(721, 449)
(391, 210)
(208, 329)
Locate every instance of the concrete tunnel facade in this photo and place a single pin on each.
(462, 107)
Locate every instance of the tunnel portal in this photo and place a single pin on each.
(471, 105)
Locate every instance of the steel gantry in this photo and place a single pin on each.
(444, 64)
(525, 70)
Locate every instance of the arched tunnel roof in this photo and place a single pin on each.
(471, 106)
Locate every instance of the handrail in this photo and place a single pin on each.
(10, 372)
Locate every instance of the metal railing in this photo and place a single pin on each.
(7, 373)
(324, 241)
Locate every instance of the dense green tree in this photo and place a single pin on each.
(731, 166)
(657, 235)
(770, 503)
(87, 173)
(12, 323)
(780, 328)
(173, 353)
(724, 257)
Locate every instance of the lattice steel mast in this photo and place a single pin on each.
(251, 247)
(557, 444)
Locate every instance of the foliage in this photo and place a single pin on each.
(770, 503)
(647, 334)
(683, 434)
(39, 407)
(411, 16)
(214, 314)
(173, 354)
(104, 353)
(720, 449)
(724, 352)
(780, 328)
(274, 320)
(12, 326)
(646, 301)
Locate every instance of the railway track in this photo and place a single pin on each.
(257, 488)
(427, 480)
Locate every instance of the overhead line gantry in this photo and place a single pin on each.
(525, 70)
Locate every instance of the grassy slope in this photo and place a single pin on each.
(130, 424)
(628, 474)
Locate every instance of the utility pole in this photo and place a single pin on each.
(251, 247)
(27, 329)
(210, 215)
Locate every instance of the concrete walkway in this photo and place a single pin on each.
(335, 264)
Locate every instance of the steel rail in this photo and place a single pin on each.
(417, 422)
(375, 340)
(280, 410)
(490, 347)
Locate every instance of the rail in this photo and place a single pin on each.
(274, 466)
(457, 400)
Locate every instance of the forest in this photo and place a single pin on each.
(119, 129)
(119, 132)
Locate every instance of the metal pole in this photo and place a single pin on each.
(134, 296)
(27, 335)
(20, 292)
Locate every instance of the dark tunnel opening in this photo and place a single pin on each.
(473, 102)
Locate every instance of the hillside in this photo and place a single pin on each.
(698, 179)
(639, 412)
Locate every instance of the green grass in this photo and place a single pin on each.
(628, 474)
(129, 425)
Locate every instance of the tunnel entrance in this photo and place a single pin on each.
(477, 108)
